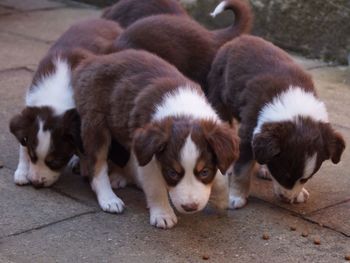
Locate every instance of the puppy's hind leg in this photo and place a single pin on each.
(264, 173)
(220, 191)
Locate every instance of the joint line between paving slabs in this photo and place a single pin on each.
(328, 206)
(50, 224)
(60, 192)
(27, 37)
(3, 71)
(295, 214)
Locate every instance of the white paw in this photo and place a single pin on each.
(237, 202)
(117, 181)
(164, 219)
(264, 173)
(302, 197)
(74, 164)
(20, 176)
(112, 204)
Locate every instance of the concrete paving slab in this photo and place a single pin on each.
(308, 63)
(328, 187)
(24, 208)
(77, 187)
(232, 237)
(13, 87)
(335, 217)
(6, 11)
(333, 86)
(45, 25)
(17, 52)
(29, 5)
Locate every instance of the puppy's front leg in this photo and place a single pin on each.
(96, 142)
(20, 176)
(154, 186)
(107, 199)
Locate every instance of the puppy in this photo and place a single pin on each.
(283, 124)
(48, 128)
(182, 41)
(126, 12)
(177, 141)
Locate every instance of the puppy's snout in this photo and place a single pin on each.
(190, 207)
(37, 183)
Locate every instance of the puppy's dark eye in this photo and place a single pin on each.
(24, 141)
(303, 181)
(204, 173)
(172, 174)
(55, 164)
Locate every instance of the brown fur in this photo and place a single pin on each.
(182, 41)
(116, 98)
(126, 12)
(77, 43)
(246, 74)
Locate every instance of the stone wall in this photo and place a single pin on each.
(314, 28)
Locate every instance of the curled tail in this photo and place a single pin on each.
(242, 24)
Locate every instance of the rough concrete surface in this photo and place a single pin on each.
(65, 224)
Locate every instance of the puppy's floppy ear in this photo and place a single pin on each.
(147, 142)
(225, 144)
(335, 143)
(19, 125)
(71, 126)
(265, 146)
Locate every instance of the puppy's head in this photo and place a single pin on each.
(49, 140)
(294, 152)
(189, 153)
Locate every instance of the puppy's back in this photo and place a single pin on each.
(126, 12)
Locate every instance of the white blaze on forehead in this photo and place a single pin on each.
(290, 104)
(189, 190)
(44, 141)
(310, 164)
(218, 9)
(185, 101)
(54, 90)
(189, 155)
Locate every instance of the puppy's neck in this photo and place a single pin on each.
(290, 104)
(185, 101)
(53, 89)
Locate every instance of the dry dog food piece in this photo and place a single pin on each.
(293, 228)
(205, 257)
(347, 257)
(266, 236)
(304, 234)
(317, 241)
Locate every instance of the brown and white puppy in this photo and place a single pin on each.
(177, 141)
(182, 41)
(126, 12)
(283, 124)
(48, 128)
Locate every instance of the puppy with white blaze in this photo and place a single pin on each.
(48, 128)
(283, 124)
(178, 144)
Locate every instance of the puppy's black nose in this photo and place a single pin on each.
(37, 184)
(190, 207)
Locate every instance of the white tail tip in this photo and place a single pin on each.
(220, 7)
